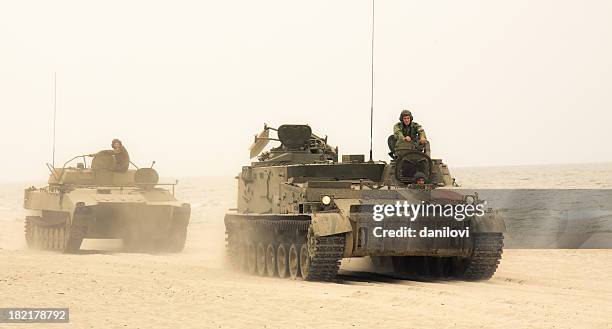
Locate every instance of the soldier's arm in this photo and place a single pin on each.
(397, 131)
(420, 131)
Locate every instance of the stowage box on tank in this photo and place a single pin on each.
(98, 203)
(300, 211)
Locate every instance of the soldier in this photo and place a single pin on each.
(420, 179)
(121, 155)
(420, 182)
(410, 131)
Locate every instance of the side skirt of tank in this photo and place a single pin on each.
(283, 246)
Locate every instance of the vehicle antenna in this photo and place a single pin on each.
(54, 112)
(372, 85)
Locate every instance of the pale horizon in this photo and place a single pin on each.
(493, 84)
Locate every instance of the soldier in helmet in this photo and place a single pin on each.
(410, 131)
(420, 178)
(420, 182)
(121, 155)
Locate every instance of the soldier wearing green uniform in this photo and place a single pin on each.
(410, 131)
(120, 154)
(420, 182)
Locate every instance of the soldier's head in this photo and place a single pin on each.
(420, 178)
(115, 144)
(406, 117)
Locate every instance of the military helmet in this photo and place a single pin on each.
(116, 141)
(419, 175)
(405, 113)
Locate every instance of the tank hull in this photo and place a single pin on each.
(281, 207)
(146, 220)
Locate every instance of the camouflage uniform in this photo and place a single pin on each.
(121, 155)
(414, 130)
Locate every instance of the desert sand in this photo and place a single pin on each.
(105, 288)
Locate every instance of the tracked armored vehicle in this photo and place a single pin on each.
(98, 203)
(300, 211)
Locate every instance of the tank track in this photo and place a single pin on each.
(318, 258)
(53, 237)
(177, 235)
(325, 254)
(28, 228)
(481, 265)
(487, 253)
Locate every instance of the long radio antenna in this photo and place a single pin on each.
(372, 86)
(54, 112)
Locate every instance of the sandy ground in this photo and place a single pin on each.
(105, 288)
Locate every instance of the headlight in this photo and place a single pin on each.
(326, 200)
(469, 199)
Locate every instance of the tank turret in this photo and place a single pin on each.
(298, 145)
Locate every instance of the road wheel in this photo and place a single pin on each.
(239, 263)
(261, 259)
(47, 238)
(62, 238)
(282, 260)
(271, 260)
(304, 261)
(54, 238)
(241, 258)
(251, 258)
(294, 261)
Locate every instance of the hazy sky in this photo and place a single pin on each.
(188, 84)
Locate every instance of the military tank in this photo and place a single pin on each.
(301, 211)
(97, 203)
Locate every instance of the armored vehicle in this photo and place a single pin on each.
(98, 203)
(300, 211)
